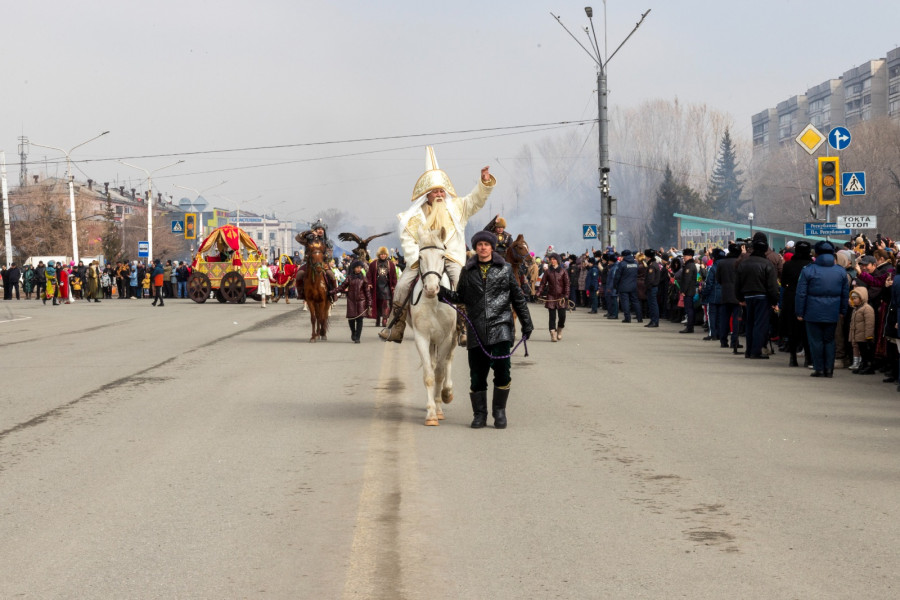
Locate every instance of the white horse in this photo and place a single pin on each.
(434, 324)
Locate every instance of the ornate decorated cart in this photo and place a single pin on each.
(226, 264)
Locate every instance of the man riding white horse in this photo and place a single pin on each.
(435, 206)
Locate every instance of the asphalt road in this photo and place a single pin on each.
(210, 451)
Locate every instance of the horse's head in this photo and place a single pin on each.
(518, 252)
(315, 252)
(431, 260)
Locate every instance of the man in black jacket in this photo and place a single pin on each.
(651, 283)
(757, 289)
(730, 311)
(488, 288)
(686, 277)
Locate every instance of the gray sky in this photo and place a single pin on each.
(169, 78)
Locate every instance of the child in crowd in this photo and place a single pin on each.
(359, 298)
(862, 331)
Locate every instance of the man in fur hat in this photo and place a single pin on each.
(382, 276)
(489, 290)
(435, 207)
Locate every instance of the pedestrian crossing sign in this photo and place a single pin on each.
(589, 232)
(177, 226)
(853, 183)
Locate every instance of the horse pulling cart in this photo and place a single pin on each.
(226, 263)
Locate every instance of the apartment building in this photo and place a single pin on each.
(863, 93)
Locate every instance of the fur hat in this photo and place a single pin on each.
(553, 255)
(484, 236)
(687, 252)
(356, 263)
(500, 222)
(802, 249)
(718, 253)
(626, 253)
(760, 245)
(650, 253)
(383, 250)
(824, 248)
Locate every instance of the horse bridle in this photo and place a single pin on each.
(422, 276)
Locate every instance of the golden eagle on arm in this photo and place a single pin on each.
(362, 245)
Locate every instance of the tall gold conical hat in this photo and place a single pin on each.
(433, 178)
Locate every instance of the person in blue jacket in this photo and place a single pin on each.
(592, 284)
(823, 294)
(609, 291)
(711, 295)
(626, 286)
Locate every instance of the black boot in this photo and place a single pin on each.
(479, 409)
(498, 407)
(793, 362)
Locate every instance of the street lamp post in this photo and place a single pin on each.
(150, 202)
(750, 218)
(607, 201)
(71, 181)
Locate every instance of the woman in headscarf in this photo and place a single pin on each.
(51, 289)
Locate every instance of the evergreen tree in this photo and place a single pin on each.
(725, 187)
(673, 196)
(112, 241)
(661, 230)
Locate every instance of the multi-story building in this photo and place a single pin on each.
(792, 118)
(868, 91)
(825, 105)
(865, 92)
(892, 64)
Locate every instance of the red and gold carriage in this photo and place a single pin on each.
(226, 264)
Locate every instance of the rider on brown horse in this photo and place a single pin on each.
(316, 233)
(497, 226)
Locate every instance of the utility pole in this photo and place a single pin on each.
(608, 208)
(23, 161)
(4, 190)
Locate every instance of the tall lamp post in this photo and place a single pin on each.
(607, 201)
(71, 181)
(150, 202)
(750, 218)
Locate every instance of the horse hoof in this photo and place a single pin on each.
(441, 417)
(312, 340)
(447, 396)
(431, 422)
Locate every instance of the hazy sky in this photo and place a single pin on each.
(172, 78)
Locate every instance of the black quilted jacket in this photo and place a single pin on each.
(490, 301)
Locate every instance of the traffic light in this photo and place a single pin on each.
(190, 226)
(604, 183)
(828, 175)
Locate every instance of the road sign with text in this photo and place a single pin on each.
(821, 229)
(857, 222)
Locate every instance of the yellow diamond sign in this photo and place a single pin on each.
(810, 138)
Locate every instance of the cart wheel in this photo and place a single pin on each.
(233, 287)
(198, 287)
(219, 297)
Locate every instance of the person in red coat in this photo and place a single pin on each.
(359, 298)
(382, 276)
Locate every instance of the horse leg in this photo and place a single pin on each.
(312, 322)
(323, 320)
(423, 345)
(447, 388)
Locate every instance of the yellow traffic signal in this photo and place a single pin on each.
(190, 226)
(829, 173)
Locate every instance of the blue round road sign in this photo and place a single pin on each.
(839, 138)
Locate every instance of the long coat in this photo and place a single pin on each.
(359, 295)
(555, 288)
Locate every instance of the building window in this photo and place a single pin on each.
(816, 105)
(867, 84)
(893, 89)
(867, 99)
(894, 107)
(856, 89)
(894, 71)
